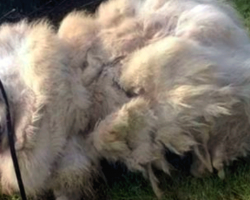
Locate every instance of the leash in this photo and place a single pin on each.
(10, 130)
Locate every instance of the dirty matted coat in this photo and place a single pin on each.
(183, 67)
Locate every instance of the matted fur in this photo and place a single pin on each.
(125, 83)
(49, 107)
(185, 63)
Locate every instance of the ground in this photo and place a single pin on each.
(130, 186)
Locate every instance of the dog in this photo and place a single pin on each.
(49, 109)
(164, 59)
(125, 84)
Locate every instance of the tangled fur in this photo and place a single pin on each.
(49, 108)
(183, 65)
(125, 84)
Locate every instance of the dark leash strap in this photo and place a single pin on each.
(10, 130)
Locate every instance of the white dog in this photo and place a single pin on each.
(185, 64)
(124, 84)
(49, 108)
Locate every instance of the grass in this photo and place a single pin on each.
(243, 6)
(184, 187)
(236, 186)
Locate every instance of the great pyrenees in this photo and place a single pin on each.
(125, 84)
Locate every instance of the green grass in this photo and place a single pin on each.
(236, 186)
(243, 6)
(183, 187)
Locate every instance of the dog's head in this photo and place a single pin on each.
(31, 66)
(15, 40)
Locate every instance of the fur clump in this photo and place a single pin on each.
(48, 107)
(176, 76)
(184, 108)
(126, 83)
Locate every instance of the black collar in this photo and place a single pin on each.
(10, 130)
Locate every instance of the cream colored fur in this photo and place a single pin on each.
(125, 83)
(186, 63)
(49, 107)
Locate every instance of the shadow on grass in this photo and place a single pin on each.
(185, 187)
